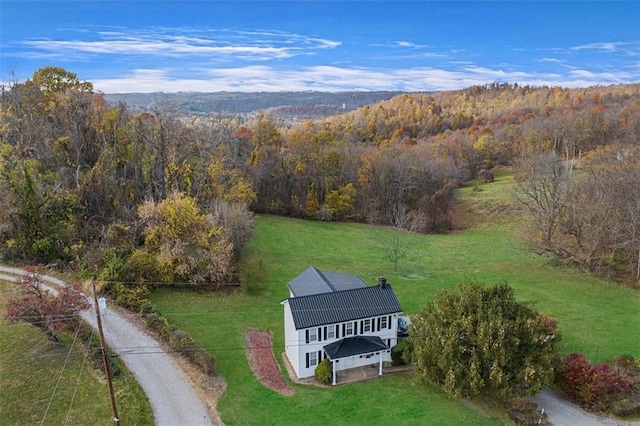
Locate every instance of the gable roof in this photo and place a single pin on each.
(354, 346)
(315, 281)
(340, 306)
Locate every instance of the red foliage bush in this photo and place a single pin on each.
(51, 310)
(594, 387)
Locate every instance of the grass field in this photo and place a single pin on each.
(56, 385)
(596, 317)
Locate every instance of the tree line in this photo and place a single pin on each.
(163, 195)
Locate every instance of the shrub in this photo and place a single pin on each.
(624, 407)
(143, 266)
(108, 261)
(178, 339)
(400, 353)
(146, 307)
(130, 297)
(157, 323)
(594, 387)
(524, 412)
(203, 359)
(324, 372)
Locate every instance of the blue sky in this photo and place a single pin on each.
(208, 46)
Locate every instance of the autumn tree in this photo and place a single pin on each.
(40, 216)
(187, 241)
(52, 80)
(478, 340)
(268, 168)
(50, 310)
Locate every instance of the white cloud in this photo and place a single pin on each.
(607, 46)
(184, 42)
(610, 77)
(553, 60)
(330, 78)
(403, 43)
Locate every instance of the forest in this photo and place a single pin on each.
(164, 195)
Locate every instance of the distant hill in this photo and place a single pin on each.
(284, 104)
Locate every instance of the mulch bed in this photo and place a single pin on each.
(262, 362)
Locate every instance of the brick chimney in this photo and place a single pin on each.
(382, 282)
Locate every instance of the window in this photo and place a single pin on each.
(313, 334)
(349, 331)
(383, 323)
(331, 332)
(313, 359)
(367, 326)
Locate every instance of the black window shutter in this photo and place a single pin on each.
(307, 334)
(319, 333)
(337, 331)
(378, 326)
(319, 356)
(325, 334)
(355, 328)
(343, 329)
(389, 321)
(307, 358)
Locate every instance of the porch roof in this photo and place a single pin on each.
(358, 345)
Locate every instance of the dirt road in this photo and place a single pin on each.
(172, 398)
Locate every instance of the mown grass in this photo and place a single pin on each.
(56, 385)
(596, 317)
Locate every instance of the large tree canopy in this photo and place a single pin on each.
(479, 340)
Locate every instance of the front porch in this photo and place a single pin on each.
(368, 372)
(357, 351)
(352, 375)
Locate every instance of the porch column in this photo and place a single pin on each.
(333, 364)
(380, 370)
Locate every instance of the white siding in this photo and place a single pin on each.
(297, 349)
(291, 340)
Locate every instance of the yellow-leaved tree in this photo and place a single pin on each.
(187, 241)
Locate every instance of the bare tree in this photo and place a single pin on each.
(542, 185)
(398, 244)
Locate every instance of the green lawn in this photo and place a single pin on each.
(596, 317)
(56, 385)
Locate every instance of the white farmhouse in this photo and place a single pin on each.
(339, 317)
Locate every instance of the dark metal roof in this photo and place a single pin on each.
(354, 346)
(340, 306)
(315, 281)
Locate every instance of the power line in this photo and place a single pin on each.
(64, 366)
(75, 390)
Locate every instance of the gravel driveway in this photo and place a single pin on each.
(172, 398)
(563, 413)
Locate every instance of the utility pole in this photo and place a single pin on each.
(114, 409)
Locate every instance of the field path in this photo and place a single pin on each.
(173, 399)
